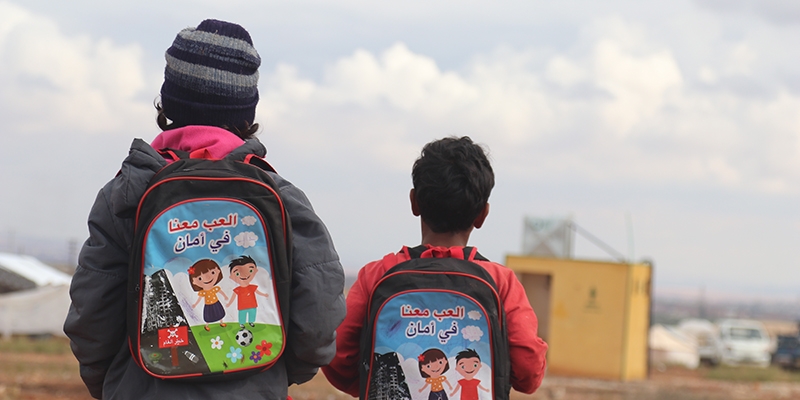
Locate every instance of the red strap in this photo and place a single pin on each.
(470, 253)
(201, 153)
(461, 253)
(169, 153)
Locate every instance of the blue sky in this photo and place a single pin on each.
(682, 115)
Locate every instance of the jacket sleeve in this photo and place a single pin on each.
(95, 323)
(343, 371)
(526, 349)
(317, 301)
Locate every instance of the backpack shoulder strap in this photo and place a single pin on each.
(474, 254)
(253, 159)
(416, 252)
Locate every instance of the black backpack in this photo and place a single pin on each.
(210, 270)
(431, 322)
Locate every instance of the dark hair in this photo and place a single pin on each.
(468, 353)
(243, 260)
(245, 131)
(452, 183)
(430, 356)
(200, 267)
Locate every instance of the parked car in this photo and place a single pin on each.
(743, 341)
(787, 353)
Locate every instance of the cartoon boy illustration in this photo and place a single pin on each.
(468, 363)
(432, 366)
(243, 270)
(204, 276)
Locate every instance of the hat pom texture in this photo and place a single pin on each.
(211, 77)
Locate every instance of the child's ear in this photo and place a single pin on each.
(481, 218)
(414, 206)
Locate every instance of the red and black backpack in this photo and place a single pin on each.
(210, 270)
(434, 327)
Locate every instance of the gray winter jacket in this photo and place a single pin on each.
(96, 323)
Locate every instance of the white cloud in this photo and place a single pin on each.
(407, 81)
(400, 99)
(472, 333)
(722, 170)
(639, 85)
(51, 79)
(707, 75)
(246, 239)
(741, 59)
(564, 72)
(619, 112)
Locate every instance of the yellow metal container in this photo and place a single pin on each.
(594, 315)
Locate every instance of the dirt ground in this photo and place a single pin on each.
(670, 384)
(33, 376)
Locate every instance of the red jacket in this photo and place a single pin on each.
(526, 349)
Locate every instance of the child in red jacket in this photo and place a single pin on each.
(452, 182)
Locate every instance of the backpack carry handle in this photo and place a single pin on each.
(175, 155)
(470, 253)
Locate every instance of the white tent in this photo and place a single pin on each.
(35, 297)
(32, 270)
(705, 334)
(670, 347)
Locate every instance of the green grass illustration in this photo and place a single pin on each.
(218, 359)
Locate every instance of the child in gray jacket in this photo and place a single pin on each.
(207, 107)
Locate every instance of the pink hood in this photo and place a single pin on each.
(213, 142)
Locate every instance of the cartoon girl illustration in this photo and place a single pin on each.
(204, 276)
(432, 366)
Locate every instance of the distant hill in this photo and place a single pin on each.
(670, 310)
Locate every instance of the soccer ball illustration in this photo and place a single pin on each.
(244, 337)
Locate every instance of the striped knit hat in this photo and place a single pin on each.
(211, 77)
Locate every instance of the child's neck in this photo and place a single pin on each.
(444, 239)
